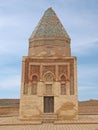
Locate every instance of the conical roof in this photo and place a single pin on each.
(49, 27)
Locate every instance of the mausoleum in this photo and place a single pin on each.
(49, 73)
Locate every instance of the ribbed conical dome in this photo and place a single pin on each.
(49, 27)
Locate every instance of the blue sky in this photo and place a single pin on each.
(18, 19)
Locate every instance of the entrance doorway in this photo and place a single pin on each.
(48, 104)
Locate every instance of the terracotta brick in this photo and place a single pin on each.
(49, 60)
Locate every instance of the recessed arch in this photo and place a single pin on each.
(63, 84)
(34, 78)
(63, 78)
(48, 77)
(34, 84)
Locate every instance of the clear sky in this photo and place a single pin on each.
(18, 19)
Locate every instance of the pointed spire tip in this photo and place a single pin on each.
(49, 26)
(50, 8)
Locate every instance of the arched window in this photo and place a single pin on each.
(63, 89)
(34, 89)
(34, 78)
(63, 85)
(34, 85)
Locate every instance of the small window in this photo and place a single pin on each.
(34, 89)
(49, 89)
(63, 89)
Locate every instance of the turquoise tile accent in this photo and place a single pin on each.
(49, 26)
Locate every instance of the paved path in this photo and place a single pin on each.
(52, 127)
(82, 119)
(85, 122)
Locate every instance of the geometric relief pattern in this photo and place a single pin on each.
(63, 69)
(26, 71)
(34, 69)
(71, 79)
(49, 26)
(47, 68)
(50, 60)
(48, 77)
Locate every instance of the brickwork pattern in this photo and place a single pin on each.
(84, 123)
(49, 26)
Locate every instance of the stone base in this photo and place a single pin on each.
(48, 118)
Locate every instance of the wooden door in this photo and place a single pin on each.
(48, 104)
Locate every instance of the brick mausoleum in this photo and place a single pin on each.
(49, 73)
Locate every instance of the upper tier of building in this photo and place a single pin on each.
(49, 37)
(49, 27)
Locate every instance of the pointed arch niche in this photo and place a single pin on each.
(63, 84)
(34, 85)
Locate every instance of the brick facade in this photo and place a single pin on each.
(49, 73)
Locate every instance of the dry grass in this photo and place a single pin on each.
(9, 102)
(88, 107)
(10, 107)
(9, 111)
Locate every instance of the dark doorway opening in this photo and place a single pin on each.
(48, 104)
